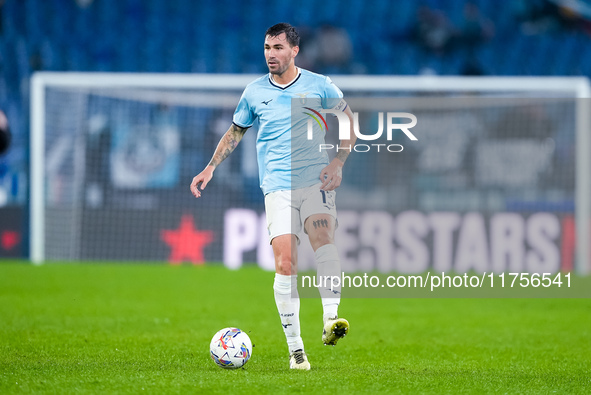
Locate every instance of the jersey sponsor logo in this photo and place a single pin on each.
(267, 102)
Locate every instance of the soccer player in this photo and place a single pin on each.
(299, 190)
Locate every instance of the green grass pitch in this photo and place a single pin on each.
(131, 328)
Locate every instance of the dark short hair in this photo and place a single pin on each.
(291, 34)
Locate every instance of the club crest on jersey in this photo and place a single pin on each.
(303, 97)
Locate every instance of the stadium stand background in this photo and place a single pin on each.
(451, 37)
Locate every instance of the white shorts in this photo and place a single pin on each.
(287, 211)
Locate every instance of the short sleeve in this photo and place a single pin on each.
(332, 97)
(243, 116)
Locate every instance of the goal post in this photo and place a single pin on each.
(64, 101)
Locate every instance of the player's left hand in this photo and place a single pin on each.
(332, 175)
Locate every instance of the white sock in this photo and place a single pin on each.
(288, 306)
(329, 267)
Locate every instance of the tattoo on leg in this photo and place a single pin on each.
(321, 223)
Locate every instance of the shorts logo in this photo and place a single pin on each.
(327, 198)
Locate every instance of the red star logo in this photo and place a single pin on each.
(9, 239)
(187, 243)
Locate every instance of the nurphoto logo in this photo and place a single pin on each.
(391, 121)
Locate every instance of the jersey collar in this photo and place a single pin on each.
(283, 87)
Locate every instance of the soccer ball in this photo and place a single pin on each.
(230, 348)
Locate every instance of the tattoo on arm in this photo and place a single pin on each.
(227, 144)
(343, 155)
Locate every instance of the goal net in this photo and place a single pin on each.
(498, 178)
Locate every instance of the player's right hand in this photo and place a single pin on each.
(202, 178)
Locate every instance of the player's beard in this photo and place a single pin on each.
(279, 70)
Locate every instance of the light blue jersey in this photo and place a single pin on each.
(286, 158)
